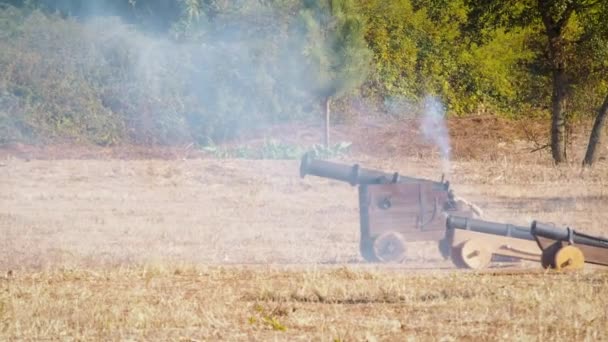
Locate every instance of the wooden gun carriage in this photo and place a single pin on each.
(393, 209)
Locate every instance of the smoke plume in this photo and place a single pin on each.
(434, 128)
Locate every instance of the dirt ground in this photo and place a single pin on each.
(150, 248)
(241, 211)
(477, 138)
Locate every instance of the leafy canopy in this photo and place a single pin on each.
(336, 54)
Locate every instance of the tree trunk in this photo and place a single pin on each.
(554, 30)
(327, 117)
(595, 138)
(558, 120)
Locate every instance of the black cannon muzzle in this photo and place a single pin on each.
(567, 235)
(355, 175)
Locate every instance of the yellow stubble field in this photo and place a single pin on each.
(208, 249)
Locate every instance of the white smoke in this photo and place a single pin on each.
(434, 128)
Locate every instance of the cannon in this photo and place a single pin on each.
(565, 248)
(474, 242)
(394, 209)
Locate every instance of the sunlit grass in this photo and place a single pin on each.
(172, 302)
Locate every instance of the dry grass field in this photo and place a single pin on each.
(185, 303)
(208, 249)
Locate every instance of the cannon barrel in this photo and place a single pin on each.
(566, 234)
(354, 174)
(465, 223)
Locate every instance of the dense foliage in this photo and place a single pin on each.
(162, 71)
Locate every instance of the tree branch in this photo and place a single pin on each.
(540, 148)
(545, 15)
(566, 16)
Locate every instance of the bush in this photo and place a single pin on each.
(105, 82)
(49, 78)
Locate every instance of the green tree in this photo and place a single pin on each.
(593, 63)
(393, 33)
(419, 49)
(557, 18)
(336, 54)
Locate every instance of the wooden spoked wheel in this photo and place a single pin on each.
(390, 247)
(472, 254)
(569, 258)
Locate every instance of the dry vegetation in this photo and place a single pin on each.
(209, 249)
(264, 303)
